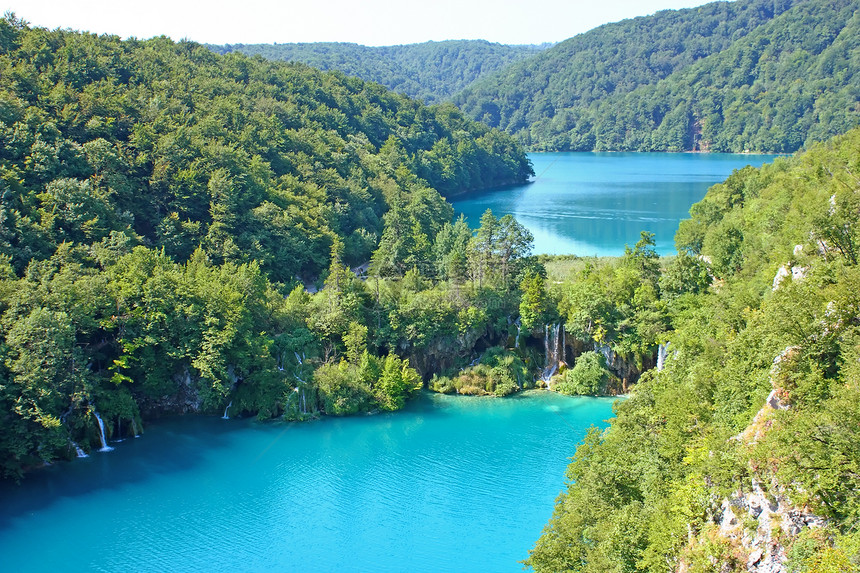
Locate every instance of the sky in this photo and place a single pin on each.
(368, 22)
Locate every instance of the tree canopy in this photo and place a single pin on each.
(430, 71)
(751, 75)
(759, 388)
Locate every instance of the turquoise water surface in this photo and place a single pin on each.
(451, 484)
(594, 203)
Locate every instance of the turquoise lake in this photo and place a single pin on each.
(450, 484)
(594, 203)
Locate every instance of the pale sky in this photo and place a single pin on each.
(370, 22)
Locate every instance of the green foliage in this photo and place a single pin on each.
(588, 376)
(696, 432)
(175, 147)
(820, 550)
(431, 71)
(684, 274)
(729, 77)
(369, 383)
(499, 372)
(160, 203)
(535, 303)
(618, 303)
(396, 383)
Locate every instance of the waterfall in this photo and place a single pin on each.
(225, 416)
(519, 330)
(105, 447)
(661, 356)
(606, 351)
(551, 346)
(134, 428)
(81, 453)
(298, 358)
(118, 431)
(563, 345)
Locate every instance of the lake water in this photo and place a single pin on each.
(450, 484)
(594, 203)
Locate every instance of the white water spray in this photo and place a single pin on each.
(661, 356)
(80, 452)
(105, 447)
(225, 416)
(551, 345)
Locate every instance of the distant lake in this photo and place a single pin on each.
(594, 203)
(450, 484)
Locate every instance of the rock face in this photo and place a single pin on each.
(761, 524)
(186, 400)
(444, 353)
(761, 521)
(625, 370)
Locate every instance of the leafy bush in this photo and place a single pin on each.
(588, 376)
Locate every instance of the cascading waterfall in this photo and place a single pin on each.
(225, 416)
(298, 358)
(118, 430)
(105, 447)
(562, 350)
(519, 330)
(134, 428)
(551, 346)
(80, 452)
(606, 351)
(301, 404)
(661, 356)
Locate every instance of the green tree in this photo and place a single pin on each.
(588, 376)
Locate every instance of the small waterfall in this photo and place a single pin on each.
(551, 346)
(298, 358)
(563, 345)
(134, 428)
(225, 416)
(118, 431)
(661, 356)
(519, 330)
(105, 447)
(81, 453)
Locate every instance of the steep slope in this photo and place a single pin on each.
(158, 204)
(740, 454)
(613, 59)
(176, 147)
(431, 71)
(746, 75)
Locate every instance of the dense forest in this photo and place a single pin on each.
(750, 75)
(188, 232)
(739, 452)
(430, 71)
(161, 206)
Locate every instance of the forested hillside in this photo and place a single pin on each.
(158, 203)
(740, 451)
(430, 71)
(753, 75)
